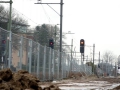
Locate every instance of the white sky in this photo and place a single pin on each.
(95, 21)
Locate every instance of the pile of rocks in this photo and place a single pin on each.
(21, 80)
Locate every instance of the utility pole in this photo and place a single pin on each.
(9, 28)
(87, 59)
(61, 17)
(115, 69)
(10, 13)
(71, 48)
(99, 57)
(55, 34)
(93, 57)
(71, 53)
(102, 66)
(74, 51)
(55, 37)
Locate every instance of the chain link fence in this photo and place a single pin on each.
(18, 52)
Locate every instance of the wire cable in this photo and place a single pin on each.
(24, 15)
(53, 9)
(46, 13)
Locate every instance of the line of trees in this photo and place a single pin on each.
(107, 62)
(43, 33)
(17, 20)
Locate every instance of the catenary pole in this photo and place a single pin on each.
(61, 19)
(71, 54)
(93, 58)
(10, 13)
(99, 57)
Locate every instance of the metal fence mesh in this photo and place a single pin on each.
(41, 61)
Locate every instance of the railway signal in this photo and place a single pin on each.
(3, 45)
(51, 43)
(82, 45)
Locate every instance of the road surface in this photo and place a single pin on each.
(87, 83)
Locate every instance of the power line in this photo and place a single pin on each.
(53, 9)
(48, 17)
(46, 13)
(24, 15)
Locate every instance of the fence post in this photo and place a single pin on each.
(81, 67)
(50, 60)
(62, 64)
(30, 55)
(38, 58)
(10, 49)
(69, 61)
(65, 66)
(21, 52)
(68, 69)
(58, 64)
(53, 62)
(44, 63)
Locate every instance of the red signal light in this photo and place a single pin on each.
(51, 43)
(81, 42)
(3, 41)
(82, 45)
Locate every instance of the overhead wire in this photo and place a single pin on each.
(31, 19)
(27, 17)
(47, 16)
(53, 9)
(24, 15)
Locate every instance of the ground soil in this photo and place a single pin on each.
(21, 80)
(73, 77)
(111, 80)
(84, 79)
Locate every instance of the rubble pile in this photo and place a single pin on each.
(20, 80)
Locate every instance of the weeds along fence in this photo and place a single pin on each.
(18, 52)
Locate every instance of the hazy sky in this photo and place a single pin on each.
(95, 21)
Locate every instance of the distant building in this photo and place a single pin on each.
(21, 31)
(16, 26)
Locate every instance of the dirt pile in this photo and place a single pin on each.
(20, 80)
(76, 75)
(117, 88)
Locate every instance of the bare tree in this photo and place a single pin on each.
(108, 56)
(2, 11)
(18, 21)
(109, 60)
